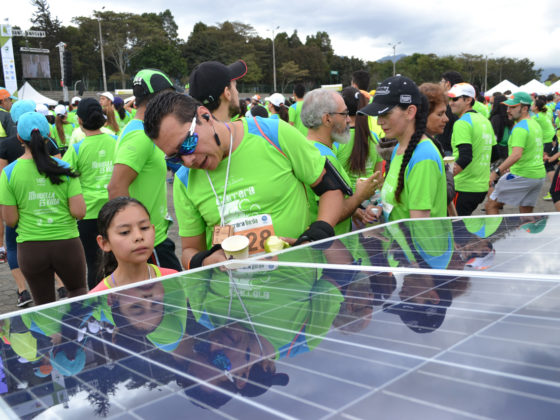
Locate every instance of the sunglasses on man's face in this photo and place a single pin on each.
(455, 99)
(188, 145)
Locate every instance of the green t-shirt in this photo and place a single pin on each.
(425, 185)
(546, 126)
(68, 129)
(44, 214)
(375, 128)
(527, 134)
(294, 113)
(92, 158)
(72, 117)
(346, 225)
(136, 150)
(343, 152)
(481, 109)
(472, 128)
(264, 179)
(288, 306)
(124, 121)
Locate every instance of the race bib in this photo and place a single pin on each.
(256, 228)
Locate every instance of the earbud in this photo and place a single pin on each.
(206, 117)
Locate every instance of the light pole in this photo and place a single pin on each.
(102, 55)
(486, 74)
(274, 57)
(394, 46)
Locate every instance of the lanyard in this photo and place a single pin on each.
(223, 204)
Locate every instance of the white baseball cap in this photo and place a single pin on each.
(75, 99)
(461, 89)
(42, 109)
(276, 99)
(60, 110)
(108, 95)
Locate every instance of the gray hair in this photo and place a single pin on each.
(317, 103)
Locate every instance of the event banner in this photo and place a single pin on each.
(8, 64)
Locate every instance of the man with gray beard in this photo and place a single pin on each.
(325, 114)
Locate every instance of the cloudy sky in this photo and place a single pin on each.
(364, 29)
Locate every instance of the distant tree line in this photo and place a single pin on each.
(150, 40)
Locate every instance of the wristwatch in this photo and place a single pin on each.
(497, 170)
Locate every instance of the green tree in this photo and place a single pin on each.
(289, 72)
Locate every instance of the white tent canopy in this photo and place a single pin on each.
(502, 87)
(555, 87)
(27, 92)
(534, 86)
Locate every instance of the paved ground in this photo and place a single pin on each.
(8, 294)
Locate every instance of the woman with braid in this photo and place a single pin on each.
(415, 185)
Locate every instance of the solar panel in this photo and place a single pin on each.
(441, 318)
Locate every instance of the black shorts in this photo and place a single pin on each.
(550, 150)
(467, 202)
(555, 186)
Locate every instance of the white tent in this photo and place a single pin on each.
(502, 87)
(534, 86)
(27, 92)
(555, 87)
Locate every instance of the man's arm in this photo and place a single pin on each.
(365, 188)
(123, 176)
(192, 245)
(516, 154)
(330, 203)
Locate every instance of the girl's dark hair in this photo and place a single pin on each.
(108, 262)
(282, 111)
(111, 120)
(498, 116)
(94, 120)
(419, 128)
(46, 165)
(119, 107)
(59, 122)
(540, 103)
(354, 101)
(242, 107)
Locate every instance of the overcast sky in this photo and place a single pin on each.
(363, 29)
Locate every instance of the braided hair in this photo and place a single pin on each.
(420, 127)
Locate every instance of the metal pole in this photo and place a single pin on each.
(486, 76)
(274, 59)
(102, 56)
(394, 46)
(61, 46)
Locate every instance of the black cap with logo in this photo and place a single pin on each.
(396, 90)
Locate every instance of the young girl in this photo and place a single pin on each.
(126, 237)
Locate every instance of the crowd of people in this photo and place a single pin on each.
(83, 186)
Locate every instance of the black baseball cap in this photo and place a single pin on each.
(422, 318)
(209, 79)
(87, 106)
(393, 91)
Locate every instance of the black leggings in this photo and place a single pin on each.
(40, 260)
(88, 236)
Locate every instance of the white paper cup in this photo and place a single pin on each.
(236, 247)
(449, 160)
